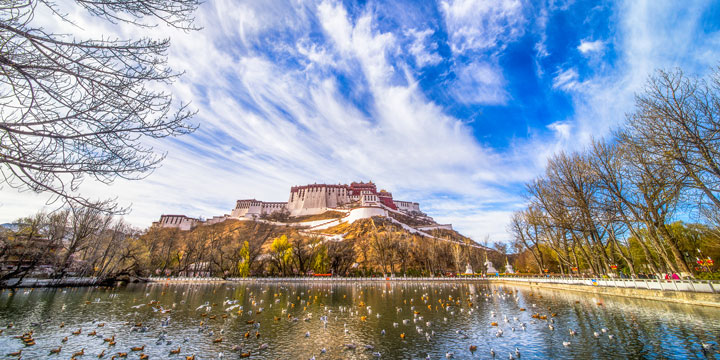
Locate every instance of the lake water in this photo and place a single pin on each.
(296, 321)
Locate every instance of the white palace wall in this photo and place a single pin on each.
(316, 199)
(255, 208)
(365, 212)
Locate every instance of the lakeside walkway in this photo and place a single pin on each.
(700, 286)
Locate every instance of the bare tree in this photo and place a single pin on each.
(23, 249)
(527, 235)
(403, 250)
(77, 108)
(458, 256)
(678, 122)
(382, 242)
(302, 254)
(341, 255)
(85, 225)
(501, 247)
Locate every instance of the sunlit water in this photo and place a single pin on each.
(291, 322)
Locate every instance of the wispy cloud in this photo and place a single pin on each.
(587, 47)
(482, 25)
(300, 92)
(649, 36)
(424, 51)
(567, 79)
(480, 83)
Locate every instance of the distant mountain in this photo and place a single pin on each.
(9, 226)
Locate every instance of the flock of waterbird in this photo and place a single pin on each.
(232, 326)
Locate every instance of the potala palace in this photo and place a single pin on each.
(356, 201)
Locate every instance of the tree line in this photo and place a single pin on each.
(89, 242)
(622, 204)
(78, 241)
(370, 247)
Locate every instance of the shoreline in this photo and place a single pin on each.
(679, 297)
(51, 283)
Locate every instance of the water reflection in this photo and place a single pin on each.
(298, 321)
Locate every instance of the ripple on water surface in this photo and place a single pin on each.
(296, 321)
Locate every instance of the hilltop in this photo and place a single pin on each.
(343, 228)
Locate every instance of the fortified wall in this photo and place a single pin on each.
(309, 199)
(315, 199)
(248, 208)
(181, 222)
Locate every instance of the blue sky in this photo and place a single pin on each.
(454, 104)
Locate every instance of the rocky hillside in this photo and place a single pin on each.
(367, 246)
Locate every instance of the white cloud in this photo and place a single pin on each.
(480, 83)
(425, 53)
(587, 47)
(541, 24)
(562, 129)
(267, 125)
(316, 54)
(479, 221)
(482, 25)
(567, 80)
(649, 36)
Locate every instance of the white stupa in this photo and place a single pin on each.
(489, 267)
(508, 268)
(468, 269)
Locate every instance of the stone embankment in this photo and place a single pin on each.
(70, 281)
(704, 293)
(33, 282)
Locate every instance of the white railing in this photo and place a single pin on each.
(702, 286)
